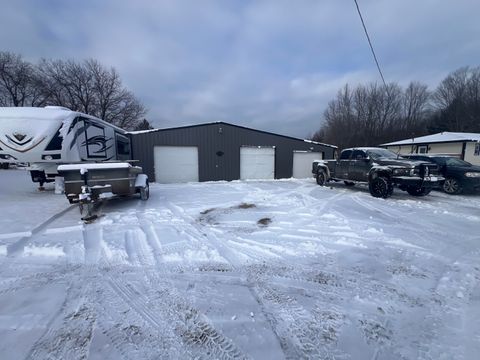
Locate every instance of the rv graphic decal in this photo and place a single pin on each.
(99, 141)
(25, 149)
(77, 134)
(19, 138)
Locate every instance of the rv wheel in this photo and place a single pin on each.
(145, 192)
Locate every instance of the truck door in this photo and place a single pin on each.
(359, 165)
(343, 165)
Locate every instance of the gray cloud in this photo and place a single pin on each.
(267, 64)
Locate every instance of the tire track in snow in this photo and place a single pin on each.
(457, 287)
(161, 308)
(69, 333)
(300, 334)
(18, 246)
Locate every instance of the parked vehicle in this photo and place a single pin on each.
(47, 137)
(459, 175)
(382, 169)
(88, 184)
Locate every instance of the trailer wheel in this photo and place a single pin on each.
(145, 191)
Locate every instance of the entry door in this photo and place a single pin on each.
(257, 162)
(175, 164)
(302, 163)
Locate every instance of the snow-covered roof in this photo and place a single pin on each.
(238, 126)
(438, 138)
(46, 113)
(49, 113)
(93, 166)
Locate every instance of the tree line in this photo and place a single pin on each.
(372, 114)
(86, 86)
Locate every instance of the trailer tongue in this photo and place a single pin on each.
(89, 184)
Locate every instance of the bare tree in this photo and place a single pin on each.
(372, 114)
(91, 88)
(16, 81)
(457, 101)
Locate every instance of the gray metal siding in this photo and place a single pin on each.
(212, 138)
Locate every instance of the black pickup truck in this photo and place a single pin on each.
(382, 169)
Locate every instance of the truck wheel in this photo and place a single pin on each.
(321, 177)
(145, 192)
(349, 183)
(380, 187)
(418, 191)
(452, 186)
(390, 189)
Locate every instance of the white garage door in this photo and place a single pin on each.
(175, 164)
(257, 162)
(302, 163)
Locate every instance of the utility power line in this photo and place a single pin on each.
(370, 43)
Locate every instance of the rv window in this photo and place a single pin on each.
(56, 142)
(95, 142)
(123, 145)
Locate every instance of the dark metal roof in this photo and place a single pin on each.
(234, 125)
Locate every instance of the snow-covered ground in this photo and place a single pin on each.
(260, 269)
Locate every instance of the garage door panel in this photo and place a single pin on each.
(176, 164)
(302, 163)
(257, 163)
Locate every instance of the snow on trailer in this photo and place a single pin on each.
(89, 184)
(47, 137)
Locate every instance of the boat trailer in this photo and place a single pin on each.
(90, 184)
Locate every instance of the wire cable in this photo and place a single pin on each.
(370, 43)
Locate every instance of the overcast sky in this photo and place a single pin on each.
(272, 64)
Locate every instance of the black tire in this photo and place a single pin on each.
(390, 189)
(349, 183)
(452, 186)
(145, 192)
(418, 191)
(321, 177)
(380, 187)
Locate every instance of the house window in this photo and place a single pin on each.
(423, 149)
(477, 149)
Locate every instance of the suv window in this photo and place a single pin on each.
(345, 155)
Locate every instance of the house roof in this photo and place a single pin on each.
(237, 126)
(438, 138)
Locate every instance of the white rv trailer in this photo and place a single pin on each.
(47, 137)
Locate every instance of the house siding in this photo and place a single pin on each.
(454, 149)
(470, 154)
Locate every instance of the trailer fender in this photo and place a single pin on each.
(141, 181)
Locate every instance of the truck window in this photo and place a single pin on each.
(345, 155)
(359, 154)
